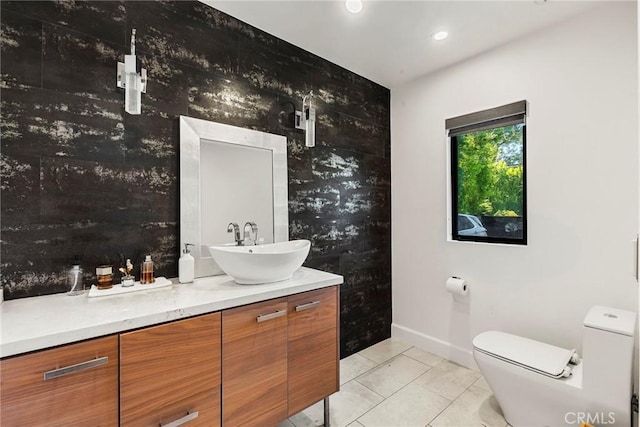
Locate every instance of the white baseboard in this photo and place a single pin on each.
(434, 345)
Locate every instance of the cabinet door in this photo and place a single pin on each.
(73, 385)
(313, 347)
(171, 372)
(254, 364)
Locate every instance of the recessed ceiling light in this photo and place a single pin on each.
(353, 6)
(440, 35)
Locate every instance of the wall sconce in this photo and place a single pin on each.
(134, 84)
(306, 120)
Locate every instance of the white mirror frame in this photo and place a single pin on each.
(192, 133)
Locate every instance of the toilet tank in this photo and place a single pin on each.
(607, 356)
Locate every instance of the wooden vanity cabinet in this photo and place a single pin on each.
(72, 385)
(171, 373)
(254, 364)
(313, 357)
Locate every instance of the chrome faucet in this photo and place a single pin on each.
(234, 228)
(254, 231)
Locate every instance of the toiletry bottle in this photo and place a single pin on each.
(146, 271)
(74, 279)
(186, 265)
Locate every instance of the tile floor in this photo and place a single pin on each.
(392, 384)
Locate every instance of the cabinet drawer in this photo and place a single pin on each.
(312, 312)
(168, 363)
(254, 360)
(201, 410)
(81, 386)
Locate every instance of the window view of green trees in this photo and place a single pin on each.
(490, 172)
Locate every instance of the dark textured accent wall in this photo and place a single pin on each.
(79, 176)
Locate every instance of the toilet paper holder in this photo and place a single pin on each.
(457, 286)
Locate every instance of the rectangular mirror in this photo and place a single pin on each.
(248, 195)
(229, 174)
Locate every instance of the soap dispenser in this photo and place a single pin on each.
(74, 278)
(186, 265)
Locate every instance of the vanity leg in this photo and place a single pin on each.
(327, 418)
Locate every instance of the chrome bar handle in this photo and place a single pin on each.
(276, 314)
(307, 306)
(189, 417)
(60, 372)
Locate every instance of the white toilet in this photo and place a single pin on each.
(537, 384)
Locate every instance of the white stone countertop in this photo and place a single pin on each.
(36, 323)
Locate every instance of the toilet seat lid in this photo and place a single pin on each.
(537, 356)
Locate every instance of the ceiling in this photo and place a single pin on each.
(389, 41)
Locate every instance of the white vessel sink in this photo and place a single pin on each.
(252, 265)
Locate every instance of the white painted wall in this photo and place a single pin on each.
(580, 79)
(637, 376)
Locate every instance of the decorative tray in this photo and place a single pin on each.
(160, 282)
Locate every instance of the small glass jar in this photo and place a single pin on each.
(127, 281)
(105, 276)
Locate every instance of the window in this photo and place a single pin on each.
(488, 180)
